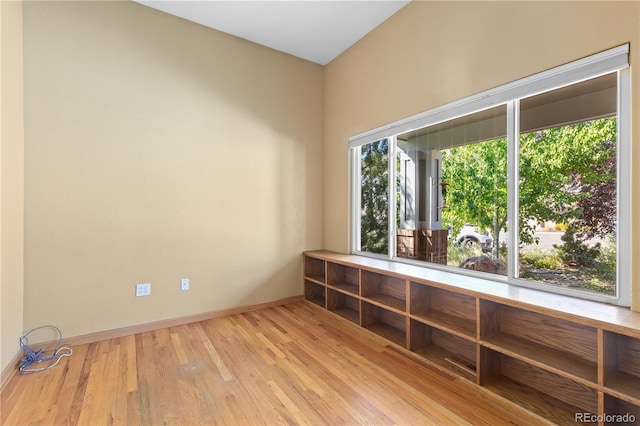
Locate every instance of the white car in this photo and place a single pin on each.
(468, 237)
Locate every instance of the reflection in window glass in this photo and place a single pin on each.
(374, 200)
(452, 192)
(568, 198)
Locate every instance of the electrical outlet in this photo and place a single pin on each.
(143, 289)
(184, 284)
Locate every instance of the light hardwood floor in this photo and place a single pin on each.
(291, 364)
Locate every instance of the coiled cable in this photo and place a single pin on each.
(40, 356)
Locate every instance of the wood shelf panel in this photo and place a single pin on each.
(548, 407)
(449, 323)
(448, 361)
(622, 366)
(387, 290)
(558, 361)
(316, 278)
(390, 301)
(347, 288)
(344, 305)
(444, 349)
(553, 397)
(388, 324)
(348, 313)
(318, 302)
(426, 298)
(625, 386)
(388, 332)
(315, 293)
(343, 277)
(314, 268)
(553, 385)
(555, 333)
(445, 309)
(615, 406)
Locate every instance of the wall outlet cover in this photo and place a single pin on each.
(143, 289)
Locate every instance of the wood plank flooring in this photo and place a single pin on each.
(291, 364)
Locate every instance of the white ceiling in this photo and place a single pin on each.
(315, 30)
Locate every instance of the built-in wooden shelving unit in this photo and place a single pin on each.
(553, 355)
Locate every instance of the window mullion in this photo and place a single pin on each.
(356, 199)
(513, 173)
(392, 197)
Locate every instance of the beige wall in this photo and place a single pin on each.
(11, 181)
(432, 53)
(155, 150)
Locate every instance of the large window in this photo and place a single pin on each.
(527, 183)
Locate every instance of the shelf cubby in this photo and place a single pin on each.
(551, 354)
(446, 350)
(314, 269)
(315, 293)
(384, 289)
(453, 312)
(383, 322)
(622, 365)
(343, 277)
(549, 395)
(618, 411)
(344, 305)
(558, 345)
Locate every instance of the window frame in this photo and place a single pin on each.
(609, 61)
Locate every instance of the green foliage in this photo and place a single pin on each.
(574, 252)
(565, 176)
(600, 259)
(477, 186)
(607, 261)
(541, 259)
(556, 163)
(374, 205)
(457, 253)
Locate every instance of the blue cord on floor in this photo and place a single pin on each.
(39, 356)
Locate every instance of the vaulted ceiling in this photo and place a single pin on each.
(315, 30)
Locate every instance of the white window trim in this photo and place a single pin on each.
(612, 60)
(624, 187)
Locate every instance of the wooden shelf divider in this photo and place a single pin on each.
(548, 353)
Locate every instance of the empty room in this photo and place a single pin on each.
(319, 212)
